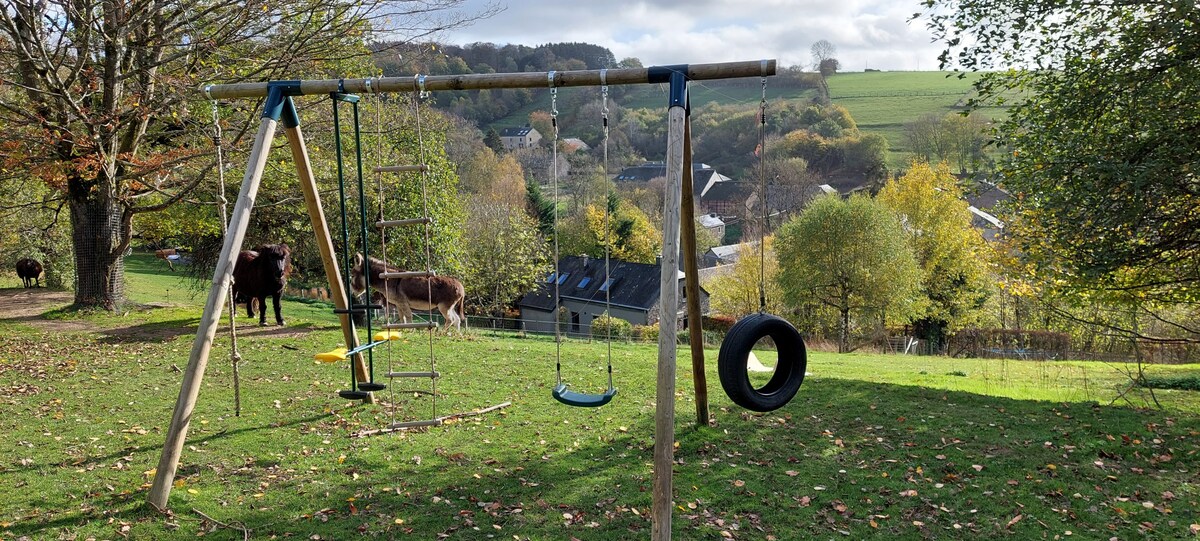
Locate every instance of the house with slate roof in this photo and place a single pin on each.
(519, 138)
(713, 192)
(631, 292)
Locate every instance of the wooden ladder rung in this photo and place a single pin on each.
(413, 375)
(414, 424)
(401, 168)
(413, 325)
(407, 274)
(408, 221)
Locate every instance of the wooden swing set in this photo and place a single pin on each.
(279, 108)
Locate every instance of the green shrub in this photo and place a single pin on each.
(620, 328)
(1180, 383)
(645, 333)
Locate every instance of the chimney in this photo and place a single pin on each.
(585, 260)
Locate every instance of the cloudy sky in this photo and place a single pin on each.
(867, 33)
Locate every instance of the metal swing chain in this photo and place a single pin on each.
(554, 176)
(383, 246)
(235, 357)
(607, 228)
(762, 175)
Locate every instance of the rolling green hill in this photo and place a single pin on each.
(880, 102)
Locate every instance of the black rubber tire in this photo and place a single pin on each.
(735, 353)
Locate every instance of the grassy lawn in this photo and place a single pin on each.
(873, 446)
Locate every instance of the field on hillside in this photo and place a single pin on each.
(872, 447)
(883, 102)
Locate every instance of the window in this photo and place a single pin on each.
(584, 282)
(550, 278)
(608, 284)
(562, 279)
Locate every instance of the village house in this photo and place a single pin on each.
(631, 292)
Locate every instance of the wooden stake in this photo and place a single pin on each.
(664, 411)
(189, 391)
(687, 222)
(316, 215)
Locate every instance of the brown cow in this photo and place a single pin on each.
(29, 270)
(261, 273)
(422, 293)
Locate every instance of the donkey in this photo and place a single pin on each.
(260, 273)
(406, 294)
(29, 270)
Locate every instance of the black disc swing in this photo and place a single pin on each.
(734, 356)
(561, 392)
(358, 390)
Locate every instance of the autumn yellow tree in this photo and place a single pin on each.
(736, 293)
(953, 257)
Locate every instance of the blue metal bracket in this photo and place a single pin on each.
(279, 92)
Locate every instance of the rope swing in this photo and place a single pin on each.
(235, 357)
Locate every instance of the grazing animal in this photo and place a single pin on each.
(406, 294)
(29, 270)
(261, 273)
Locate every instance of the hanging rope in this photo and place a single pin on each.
(422, 93)
(235, 357)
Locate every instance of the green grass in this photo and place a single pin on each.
(873, 446)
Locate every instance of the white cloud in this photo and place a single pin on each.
(867, 33)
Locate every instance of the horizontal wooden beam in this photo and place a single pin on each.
(481, 81)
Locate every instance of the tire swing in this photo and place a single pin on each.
(734, 356)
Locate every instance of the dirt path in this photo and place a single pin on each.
(26, 306)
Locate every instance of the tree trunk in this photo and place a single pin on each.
(96, 227)
(844, 332)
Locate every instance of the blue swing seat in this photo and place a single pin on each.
(572, 398)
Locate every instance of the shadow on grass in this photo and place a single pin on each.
(129, 506)
(156, 332)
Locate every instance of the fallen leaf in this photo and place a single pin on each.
(1014, 520)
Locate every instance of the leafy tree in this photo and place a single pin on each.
(953, 138)
(537, 205)
(736, 293)
(951, 253)
(101, 106)
(498, 177)
(492, 140)
(29, 227)
(630, 234)
(823, 53)
(1101, 137)
(505, 254)
(849, 255)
